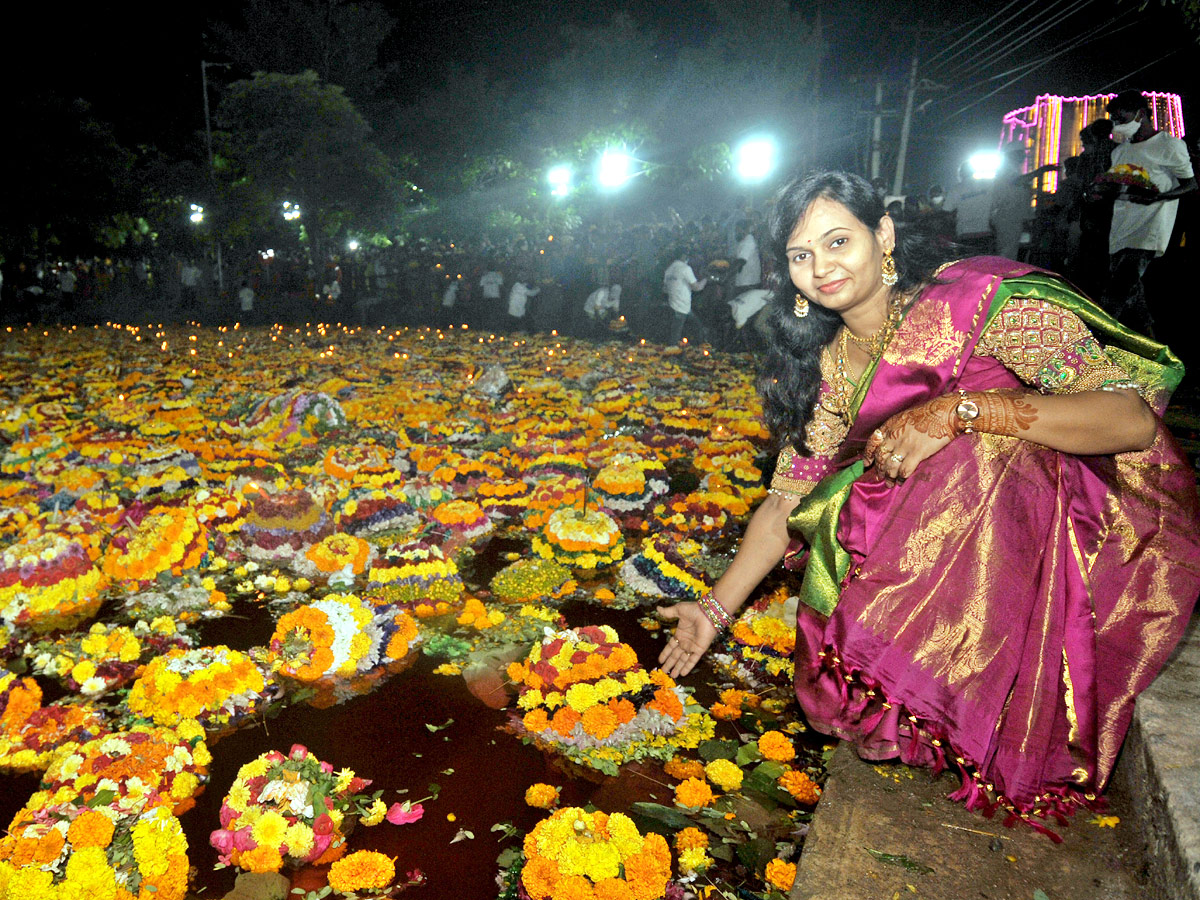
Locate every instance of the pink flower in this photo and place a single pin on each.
(404, 813)
(227, 815)
(222, 840)
(327, 768)
(323, 825)
(298, 751)
(320, 844)
(243, 840)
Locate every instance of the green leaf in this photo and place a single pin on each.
(437, 728)
(508, 856)
(710, 750)
(721, 851)
(755, 854)
(102, 798)
(747, 753)
(1039, 894)
(669, 816)
(899, 859)
(434, 789)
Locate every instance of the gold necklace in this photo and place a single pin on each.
(876, 341)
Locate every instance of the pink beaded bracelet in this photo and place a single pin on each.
(715, 612)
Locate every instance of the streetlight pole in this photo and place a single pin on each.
(212, 178)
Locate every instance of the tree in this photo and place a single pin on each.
(338, 40)
(290, 138)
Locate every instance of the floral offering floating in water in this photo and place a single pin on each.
(417, 576)
(583, 540)
(533, 579)
(218, 687)
(665, 567)
(67, 850)
(48, 582)
(576, 853)
(759, 650)
(293, 810)
(584, 695)
(168, 540)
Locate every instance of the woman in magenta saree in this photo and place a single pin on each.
(1002, 544)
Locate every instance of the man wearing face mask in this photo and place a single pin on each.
(1141, 224)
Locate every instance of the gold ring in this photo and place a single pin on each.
(897, 457)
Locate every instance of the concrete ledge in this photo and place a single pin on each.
(1161, 763)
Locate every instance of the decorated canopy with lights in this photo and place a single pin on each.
(1050, 127)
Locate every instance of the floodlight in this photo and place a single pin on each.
(614, 169)
(197, 214)
(985, 164)
(560, 179)
(755, 158)
(352, 246)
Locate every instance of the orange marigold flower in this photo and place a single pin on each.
(365, 870)
(624, 710)
(694, 793)
(90, 829)
(535, 720)
(667, 703)
(613, 889)
(690, 839)
(564, 720)
(780, 874)
(800, 786)
(261, 859)
(49, 846)
(599, 721)
(541, 796)
(539, 877)
(572, 887)
(775, 745)
(678, 767)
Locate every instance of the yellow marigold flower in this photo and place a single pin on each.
(775, 745)
(780, 874)
(694, 859)
(299, 839)
(364, 870)
(375, 815)
(691, 838)
(724, 774)
(694, 793)
(270, 829)
(542, 796)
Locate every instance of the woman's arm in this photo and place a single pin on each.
(1087, 423)
(762, 547)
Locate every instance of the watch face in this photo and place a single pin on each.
(967, 410)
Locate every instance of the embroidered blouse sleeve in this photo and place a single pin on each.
(1050, 348)
(797, 475)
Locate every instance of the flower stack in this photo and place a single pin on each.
(532, 580)
(348, 462)
(378, 515)
(584, 695)
(576, 853)
(48, 582)
(289, 810)
(217, 686)
(337, 559)
(289, 418)
(280, 526)
(416, 576)
(630, 485)
(584, 540)
(463, 522)
(760, 648)
(167, 540)
(504, 498)
(665, 567)
(550, 494)
(71, 850)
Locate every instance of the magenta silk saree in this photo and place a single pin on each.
(1001, 609)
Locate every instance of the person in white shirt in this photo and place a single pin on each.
(603, 302)
(679, 283)
(970, 199)
(489, 291)
(518, 300)
(1142, 223)
(246, 302)
(750, 274)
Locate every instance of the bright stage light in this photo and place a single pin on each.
(560, 180)
(755, 158)
(197, 214)
(985, 164)
(291, 210)
(352, 246)
(614, 169)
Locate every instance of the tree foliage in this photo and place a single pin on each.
(290, 138)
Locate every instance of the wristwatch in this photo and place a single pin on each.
(967, 412)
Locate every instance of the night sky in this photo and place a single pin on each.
(138, 64)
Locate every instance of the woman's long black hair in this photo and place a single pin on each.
(790, 376)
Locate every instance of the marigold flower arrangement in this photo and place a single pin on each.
(1128, 175)
(364, 870)
(106, 656)
(377, 515)
(630, 485)
(293, 810)
(288, 418)
(337, 558)
(583, 694)
(760, 647)
(169, 539)
(279, 526)
(463, 520)
(132, 770)
(346, 462)
(416, 574)
(65, 850)
(694, 513)
(575, 853)
(532, 579)
(584, 540)
(48, 582)
(664, 568)
(503, 498)
(217, 686)
(551, 494)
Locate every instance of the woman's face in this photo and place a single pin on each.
(834, 259)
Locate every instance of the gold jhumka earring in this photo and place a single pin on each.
(801, 308)
(890, 275)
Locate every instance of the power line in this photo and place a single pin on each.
(992, 30)
(954, 44)
(1044, 62)
(989, 59)
(1135, 71)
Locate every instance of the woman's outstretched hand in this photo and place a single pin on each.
(908, 438)
(693, 635)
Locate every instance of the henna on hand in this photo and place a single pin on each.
(1007, 412)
